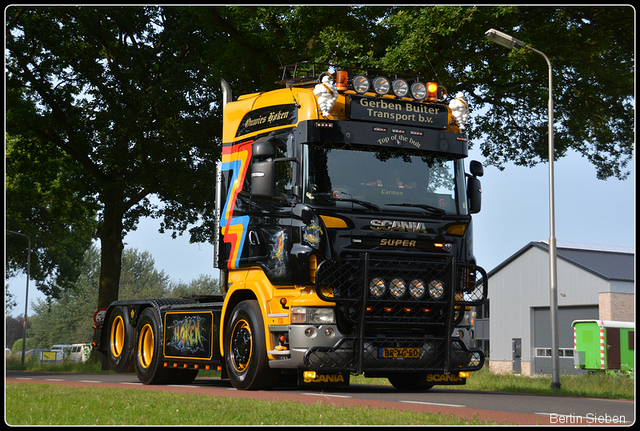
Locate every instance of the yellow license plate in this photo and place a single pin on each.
(399, 352)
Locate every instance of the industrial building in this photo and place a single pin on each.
(514, 327)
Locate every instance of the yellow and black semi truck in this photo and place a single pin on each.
(343, 239)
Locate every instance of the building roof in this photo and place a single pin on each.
(608, 262)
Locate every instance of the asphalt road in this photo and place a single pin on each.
(506, 408)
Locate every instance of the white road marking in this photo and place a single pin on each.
(325, 395)
(432, 404)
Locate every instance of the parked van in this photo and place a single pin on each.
(62, 351)
(80, 352)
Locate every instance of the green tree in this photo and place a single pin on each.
(44, 203)
(124, 92)
(14, 329)
(592, 53)
(68, 319)
(203, 285)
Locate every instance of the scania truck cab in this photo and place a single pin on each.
(343, 239)
(345, 210)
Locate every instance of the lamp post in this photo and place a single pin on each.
(511, 42)
(26, 295)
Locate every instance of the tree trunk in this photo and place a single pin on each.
(110, 234)
(111, 246)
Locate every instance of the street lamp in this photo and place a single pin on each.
(26, 295)
(511, 42)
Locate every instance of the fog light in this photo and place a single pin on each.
(310, 332)
(417, 289)
(436, 289)
(377, 288)
(329, 332)
(397, 288)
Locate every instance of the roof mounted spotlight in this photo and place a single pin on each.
(381, 85)
(400, 87)
(418, 90)
(361, 84)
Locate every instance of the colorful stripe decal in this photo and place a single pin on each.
(236, 159)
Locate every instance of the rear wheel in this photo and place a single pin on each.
(245, 351)
(121, 335)
(148, 350)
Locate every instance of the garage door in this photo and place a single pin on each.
(542, 337)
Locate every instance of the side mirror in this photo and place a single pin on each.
(476, 168)
(263, 179)
(474, 188)
(474, 193)
(263, 169)
(263, 148)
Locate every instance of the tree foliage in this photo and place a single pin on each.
(591, 51)
(128, 99)
(45, 203)
(125, 93)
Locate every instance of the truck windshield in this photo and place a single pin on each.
(377, 178)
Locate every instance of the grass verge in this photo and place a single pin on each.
(29, 404)
(610, 385)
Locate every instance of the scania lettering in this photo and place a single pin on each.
(343, 237)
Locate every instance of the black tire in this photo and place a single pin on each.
(245, 351)
(120, 341)
(409, 382)
(148, 350)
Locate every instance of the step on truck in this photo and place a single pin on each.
(343, 239)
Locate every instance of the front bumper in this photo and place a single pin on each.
(427, 355)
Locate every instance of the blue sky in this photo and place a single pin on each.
(515, 211)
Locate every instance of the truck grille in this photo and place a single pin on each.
(347, 282)
(415, 324)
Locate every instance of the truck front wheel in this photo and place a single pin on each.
(119, 348)
(147, 359)
(245, 351)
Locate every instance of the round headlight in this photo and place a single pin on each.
(436, 289)
(381, 85)
(419, 90)
(397, 288)
(361, 84)
(377, 288)
(417, 289)
(400, 87)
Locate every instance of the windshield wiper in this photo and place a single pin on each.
(429, 208)
(365, 204)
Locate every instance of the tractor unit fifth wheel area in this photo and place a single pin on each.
(343, 238)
